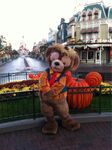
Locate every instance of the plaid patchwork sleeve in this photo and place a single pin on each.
(44, 85)
(58, 86)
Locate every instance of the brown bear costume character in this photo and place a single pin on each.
(53, 89)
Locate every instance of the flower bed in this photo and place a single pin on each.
(18, 100)
(106, 88)
(27, 85)
(19, 86)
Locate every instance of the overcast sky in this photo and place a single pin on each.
(33, 18)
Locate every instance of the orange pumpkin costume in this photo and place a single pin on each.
(55, 82)
(52, 87)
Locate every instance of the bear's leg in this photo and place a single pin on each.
(67, 121)
(51, 125)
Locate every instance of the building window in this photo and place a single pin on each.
(90, 16)
(97, 55)
(84, 37)
(96, 14)
(90, 38)
(83, 16)
(110, 36)
(95, 30)
(90, 54)
(110, 29)
(83, 19)
(84, 55)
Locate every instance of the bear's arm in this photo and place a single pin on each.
(44, 85)
(58, 86)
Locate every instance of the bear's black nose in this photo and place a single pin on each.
(56, 63)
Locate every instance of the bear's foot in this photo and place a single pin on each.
(70, 124)
(50, 128)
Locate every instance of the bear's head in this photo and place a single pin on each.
(62, 58)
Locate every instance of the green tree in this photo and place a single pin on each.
(8, 47)
(2, 42)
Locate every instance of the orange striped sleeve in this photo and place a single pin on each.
(58, 86)
(44, 85)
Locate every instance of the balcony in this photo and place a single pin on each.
(95, 30)
(89, 30)
(83, 31)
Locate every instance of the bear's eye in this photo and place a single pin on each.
(54, 56)
(66, 61)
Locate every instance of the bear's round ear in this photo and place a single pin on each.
(48, 51)
(54, 48)
(75, 61)
(47, 54)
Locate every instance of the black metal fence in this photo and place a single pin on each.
(22, 105)
(19, 105)
(17, 76)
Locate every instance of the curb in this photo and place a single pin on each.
(30, 123)
(93, 117)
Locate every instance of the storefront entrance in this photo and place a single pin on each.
(97, 60)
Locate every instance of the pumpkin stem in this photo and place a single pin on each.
(78, 76)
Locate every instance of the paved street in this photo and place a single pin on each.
(36, 65)
(27, 64)
(23, 64)
(91, 136)
(13, 66)
(19, 65)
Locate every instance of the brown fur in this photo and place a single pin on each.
(60, 106)
(63, 50)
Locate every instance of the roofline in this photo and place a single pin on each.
(103, 10)
(94, 3)
(110, 7)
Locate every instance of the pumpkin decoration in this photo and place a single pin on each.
(70, 79)
(93, 78)
(79, 94)
(34, 77)
(80, 91)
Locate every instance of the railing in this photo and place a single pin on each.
(18, 76)
(93, 61)
(22, 105)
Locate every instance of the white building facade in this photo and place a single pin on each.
(90, 33)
